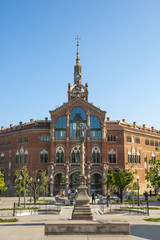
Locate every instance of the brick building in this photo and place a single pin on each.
(55, 144)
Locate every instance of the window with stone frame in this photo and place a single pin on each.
(137, 140)
(25, 139)
(44, 138)
(156, 143)
(77, 117)
(146, 142)
(60, 155)
(129, 139)
(21, 156)
(134, 156)
(19, 140)
(43, 156)
(60, 130)
(95, 128)
(151, 143)
(2, 158)
(111, 138)
(75, 154)
(112, 156)
(96, 155)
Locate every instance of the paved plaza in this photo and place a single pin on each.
(32, 226)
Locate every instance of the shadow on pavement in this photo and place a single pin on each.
(151, 232)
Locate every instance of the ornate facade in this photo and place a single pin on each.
(55, 144)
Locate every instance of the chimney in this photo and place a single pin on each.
(123, 120)
(11, 125)
(31, 120)
(2, 128)
(46, 118)
(144, 126)
(108, 118)
(134, 124)
(20, 123)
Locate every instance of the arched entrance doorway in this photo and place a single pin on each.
(74, 181)
(96, 183)
(59, 183)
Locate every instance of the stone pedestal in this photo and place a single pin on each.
(82, 209)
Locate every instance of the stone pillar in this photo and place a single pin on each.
(89, 178)
(103, 127)
(52, 132)
(88, 125)
(51, 178)
(67, 178)
(104, 179)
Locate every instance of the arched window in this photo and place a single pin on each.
(75, 154)
(108, 138)
(112, 156)
(95, 129)
(77, 117)
(60, 131)
(96, 156)
(43, 156)
(21, 156)
(60, 155)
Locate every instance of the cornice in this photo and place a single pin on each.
(77, 99)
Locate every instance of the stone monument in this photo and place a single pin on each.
(82, 209)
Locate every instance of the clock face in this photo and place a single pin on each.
(77, 76)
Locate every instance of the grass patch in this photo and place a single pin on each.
(28, 208)
(8, 220)
(152, 219)
(141, 208)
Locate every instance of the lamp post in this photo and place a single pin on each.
(82, 209)
(138, 188)
(20, 178)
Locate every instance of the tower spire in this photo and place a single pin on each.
(77, 59)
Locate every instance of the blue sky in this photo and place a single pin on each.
(119, 54)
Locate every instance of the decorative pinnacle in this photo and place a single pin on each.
(77, 59)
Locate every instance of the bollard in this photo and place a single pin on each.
(14, 206)
(147, 208)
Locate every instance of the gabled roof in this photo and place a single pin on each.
(78, 99)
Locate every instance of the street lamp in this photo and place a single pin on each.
(20, 178)
(138, 188)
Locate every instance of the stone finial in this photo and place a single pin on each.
(123, 120)
(46, 118)
(152, 129)
(134, 124)
(118, 121)
(108, 118)
(11, 125)
(20, 123)
(2, 128)
(144, 126)
(31, 120)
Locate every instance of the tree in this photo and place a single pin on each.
(2, 183)
(120, 179)
(153, 175)
(22, 181)
(43, 182)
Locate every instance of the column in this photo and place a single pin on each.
(89, 178)
(104, 179)
(67, 178)
(51, 178)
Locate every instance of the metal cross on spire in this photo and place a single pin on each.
(77, 59)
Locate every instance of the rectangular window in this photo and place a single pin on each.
(129, 139)
(146, 142)
(25, 139)
(137, 140)
(112, 158)
(156, 143)
(19, 140)
(151, 143)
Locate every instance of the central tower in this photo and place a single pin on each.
(77, 89)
